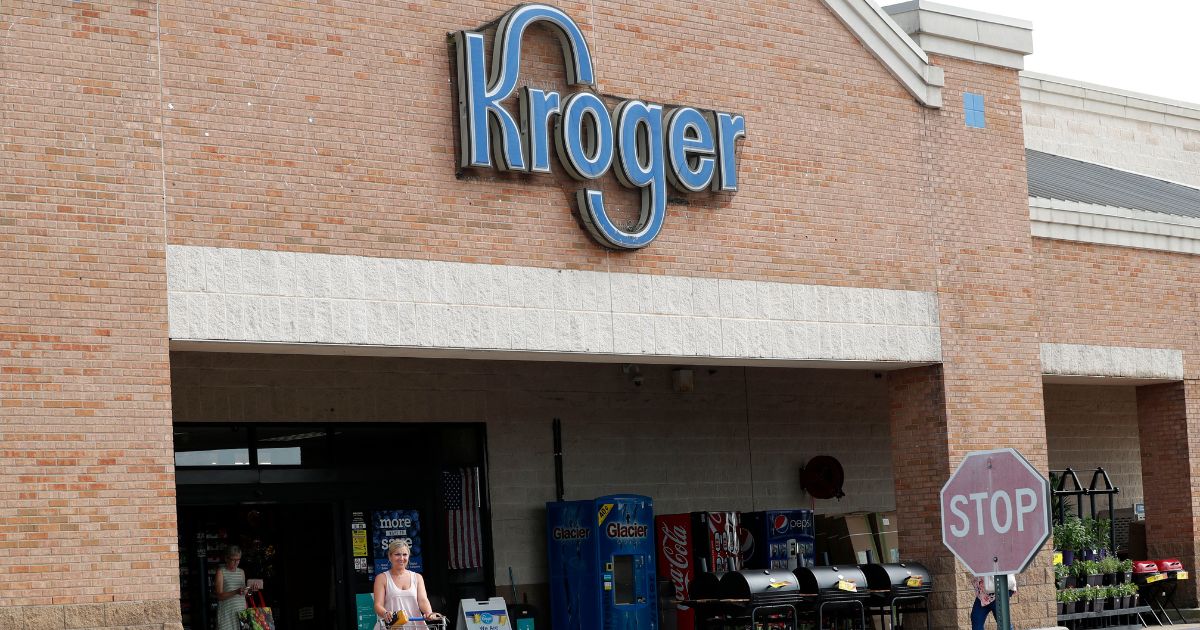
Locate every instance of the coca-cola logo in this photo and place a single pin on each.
(571, 533)
(622, 530)
(675, 553)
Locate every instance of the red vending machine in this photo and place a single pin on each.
(688, 544)
(719, 541)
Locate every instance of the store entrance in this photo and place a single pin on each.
(290, 547)
(312, 508)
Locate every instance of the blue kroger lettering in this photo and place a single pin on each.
(691, 149)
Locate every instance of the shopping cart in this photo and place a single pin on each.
(414, 623)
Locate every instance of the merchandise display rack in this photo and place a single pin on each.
(1067, 489)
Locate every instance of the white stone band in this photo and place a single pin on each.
(258, 296)
(1105, 225)
(1111, 361)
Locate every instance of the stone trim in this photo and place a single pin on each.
(902, 57)
(162, 614)
(259, 296)
(964, 34)
(1106, 225)
(1158, 364)
(1080, 95)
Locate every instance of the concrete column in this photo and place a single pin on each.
(1169, 427)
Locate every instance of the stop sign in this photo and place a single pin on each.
(995, 512)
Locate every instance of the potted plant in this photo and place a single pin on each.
(1097, 594)
(1069, 538)
(1130, 593)
(1088, 540)
(1087, 572)
(1101, 528)
(1066, 599)
(1109, 567)
(1125, 574)
(1062, 576)
(1112, 598)
(1081, 604)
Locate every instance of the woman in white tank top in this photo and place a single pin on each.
(399, 589)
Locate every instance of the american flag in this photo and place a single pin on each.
(460, 497)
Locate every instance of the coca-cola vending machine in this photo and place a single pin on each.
(688, 544)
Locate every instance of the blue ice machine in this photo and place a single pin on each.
(778, 539)
(601, 555)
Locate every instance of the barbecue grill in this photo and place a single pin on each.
(838, 588)
(747, 599)
(706, 586)
(1145, 572)
(898, 588)
(1155, 586)
(1172, 567)
(763, 587)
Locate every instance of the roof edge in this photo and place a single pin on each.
(965, 34)
(887, 41)
(1077, 94)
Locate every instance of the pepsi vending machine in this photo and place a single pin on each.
(779, 539)
(601, 555)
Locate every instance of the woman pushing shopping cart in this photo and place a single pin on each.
(400, 599)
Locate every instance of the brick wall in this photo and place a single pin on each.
(87, 519)
(329, 128)
(920, 457)
(735, 443)
(991, 372)
(1092, 426)
(313, 128)
(1169, 422)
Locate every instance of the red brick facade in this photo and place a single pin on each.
(331, 128)
(87, 483)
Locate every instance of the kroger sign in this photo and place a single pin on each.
(692, 149)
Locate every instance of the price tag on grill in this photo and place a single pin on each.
(1154, 578)
(1181, 575)
(913, 582)
(846, 585)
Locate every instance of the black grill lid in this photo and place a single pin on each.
(903, 578)
(833, 582)
(706, 586)
(750, 583)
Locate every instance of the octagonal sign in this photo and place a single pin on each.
(995, 512)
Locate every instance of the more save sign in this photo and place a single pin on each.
(995, 512)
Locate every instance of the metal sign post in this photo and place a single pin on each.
(1002, 612)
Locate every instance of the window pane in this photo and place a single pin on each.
(292, 445)
(211, 446)
(223, 457)
(289, 456)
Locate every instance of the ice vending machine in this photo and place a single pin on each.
(601, 556)
(779, 539)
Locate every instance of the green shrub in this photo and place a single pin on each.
(1069, 595)
(1084, 568)
(1061, 571)
(1070, 534)
(1110, 564)
(1096, 534)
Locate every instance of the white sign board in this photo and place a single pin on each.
(477, 614)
